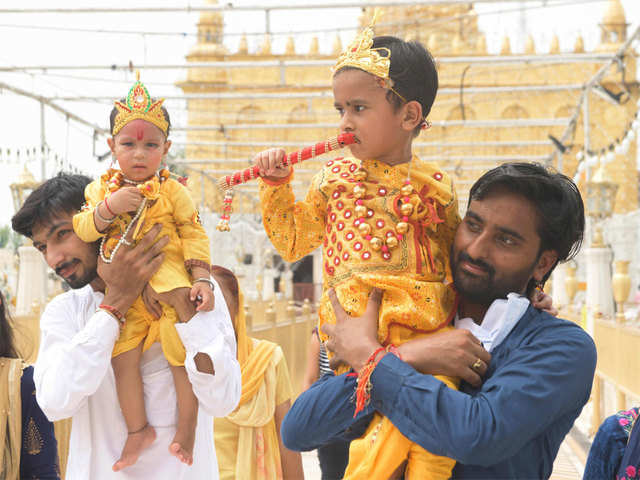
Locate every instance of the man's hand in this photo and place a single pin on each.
(132, 268)
(455, 353)
(354, 339)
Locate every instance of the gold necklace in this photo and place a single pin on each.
(392, 239)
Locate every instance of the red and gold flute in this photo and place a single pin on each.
(226, 183)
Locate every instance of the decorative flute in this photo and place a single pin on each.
(226, 183)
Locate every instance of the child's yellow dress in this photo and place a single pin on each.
(169, 204)
(413, 275)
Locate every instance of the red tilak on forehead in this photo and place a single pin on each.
(140, 131)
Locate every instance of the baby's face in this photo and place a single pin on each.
(139, 148)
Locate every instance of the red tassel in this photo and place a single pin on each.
(363, 388)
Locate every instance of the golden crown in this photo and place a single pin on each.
(359, 54)
(139, 105)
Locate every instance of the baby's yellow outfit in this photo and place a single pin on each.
(417, 300)
(169, 204)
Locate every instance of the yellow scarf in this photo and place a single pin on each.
(258, 448)
(10, 418)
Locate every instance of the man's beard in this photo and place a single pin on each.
(485, 289)
(75, 281)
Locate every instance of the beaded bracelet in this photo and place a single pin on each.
(100, 217)
(363, 388)
(114, 312)
(207, 280)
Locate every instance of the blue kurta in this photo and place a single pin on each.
(539, 379)
(39, 453)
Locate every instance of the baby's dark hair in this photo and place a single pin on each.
(114, 114)
(412, 70)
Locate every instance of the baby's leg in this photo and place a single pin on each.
(126, 368)
(182, 444)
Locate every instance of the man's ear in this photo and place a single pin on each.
(546, 262)
(412, 115)
(112, 144)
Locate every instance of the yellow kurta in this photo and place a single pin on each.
(169, 204)
(416, 301)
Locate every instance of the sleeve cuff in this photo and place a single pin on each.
(387, 379)
(199, 336)
(194, 262)
(197, 333)
(282, 181)
(101, 328)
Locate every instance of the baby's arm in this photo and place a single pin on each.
(202, 290)
(195, 246)
(126, 199)
(294, 228)
(271, 164)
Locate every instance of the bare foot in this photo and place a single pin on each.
(182, 445)
(133, 447)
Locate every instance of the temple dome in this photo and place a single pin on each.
(614, 14)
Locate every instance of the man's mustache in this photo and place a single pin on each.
(464, 257)
(65, 265)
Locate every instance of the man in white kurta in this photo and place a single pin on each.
(73, 373)
(74, 378)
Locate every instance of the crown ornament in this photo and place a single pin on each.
(359, 54)
(139, 106)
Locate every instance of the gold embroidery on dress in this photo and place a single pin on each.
(32, 442)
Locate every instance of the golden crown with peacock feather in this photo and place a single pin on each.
(139, 105)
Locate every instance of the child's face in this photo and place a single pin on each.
(365, 111)
(139, 148)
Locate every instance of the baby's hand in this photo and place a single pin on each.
(127, 199)
(271, 165)
(202, 294)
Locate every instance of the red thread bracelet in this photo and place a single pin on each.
(363, 388)
(113, 311)
(108, 209)
(392, 349)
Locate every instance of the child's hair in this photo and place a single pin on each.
(114, 114)
(412, 70)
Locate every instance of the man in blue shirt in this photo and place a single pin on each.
(520, 222)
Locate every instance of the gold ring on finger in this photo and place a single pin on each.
(477, 365)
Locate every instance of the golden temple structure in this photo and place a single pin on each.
(490, 108)
(575, 110)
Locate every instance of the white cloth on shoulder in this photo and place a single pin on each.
(498, 322)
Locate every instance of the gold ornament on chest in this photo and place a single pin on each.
(383, 243)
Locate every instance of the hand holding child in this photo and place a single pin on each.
(126, 199)
(271, 165)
